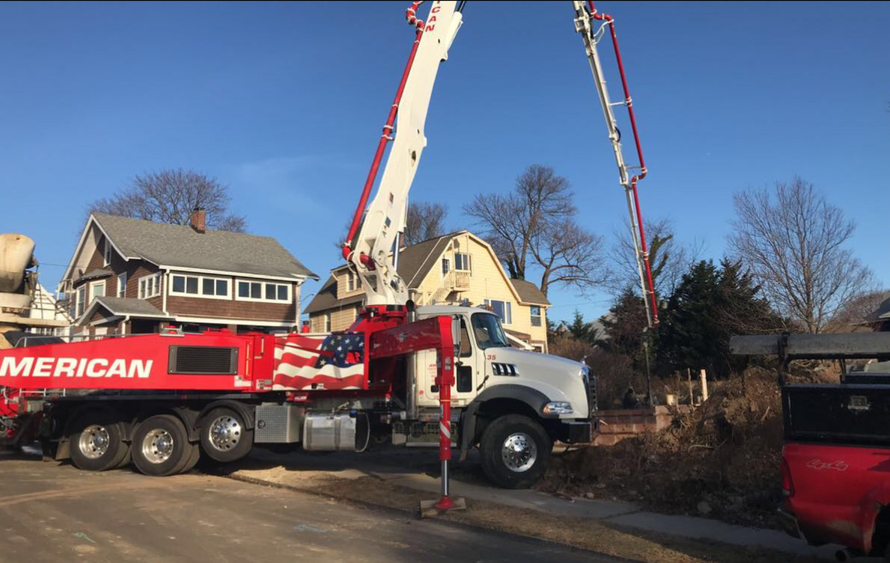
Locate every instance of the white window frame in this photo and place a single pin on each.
(200, 294)
(94, 285)
(468, 267)
(446, 266)
(152, 282)
(80, 301)
(539, 316)
(107, 252)
(508, 310)
(262, 299)
(327, 322)
(122, 285)
(350, 281)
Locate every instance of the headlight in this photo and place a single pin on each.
(558, 407)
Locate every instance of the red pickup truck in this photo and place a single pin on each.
(836, 458)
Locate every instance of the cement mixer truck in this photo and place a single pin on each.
(18, 288)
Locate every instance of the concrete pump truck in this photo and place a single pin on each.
(412, 374)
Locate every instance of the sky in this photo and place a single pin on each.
(284, 102)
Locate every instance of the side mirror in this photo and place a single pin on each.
(455, 335)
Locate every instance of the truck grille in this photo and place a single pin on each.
(590, 383)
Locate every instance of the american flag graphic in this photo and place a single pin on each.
(334, 361)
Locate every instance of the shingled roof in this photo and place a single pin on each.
(415, 262)
(529, 292)
(182, 246)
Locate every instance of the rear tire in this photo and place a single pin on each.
(224, 436)
(160, 446)
(193, 459)
(96, 442)
(515, 450)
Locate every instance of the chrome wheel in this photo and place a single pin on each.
(225, 433)
(157, 446)
(519, 452)
(94, 441)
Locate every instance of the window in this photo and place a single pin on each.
(199, 286)
(502, 309)
(263, 291)
(536, 316)
(150, 286)
(488, 331)
(446, 266)
(462, 261)
(350, 281)
(97, 289)
(122, 285)
(81, 300)
(327, 322)
(106, 255)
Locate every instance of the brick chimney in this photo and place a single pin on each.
(199, 220)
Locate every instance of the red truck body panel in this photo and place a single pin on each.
(838, 491)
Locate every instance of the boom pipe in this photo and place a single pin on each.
(385, 138)
(650, 290)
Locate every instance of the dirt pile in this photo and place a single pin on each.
(721, 460)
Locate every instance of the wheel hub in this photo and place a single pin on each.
(158, 446)
(519, 452)
(225, 433)
(94, 441)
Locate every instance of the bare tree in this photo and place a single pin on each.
(512, 222)
(793, 240)
(569, 255)
(170, 196)
(855, 311)
(425, 221)
(669, 259)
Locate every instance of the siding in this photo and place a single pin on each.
(222, 309)
(487, 281)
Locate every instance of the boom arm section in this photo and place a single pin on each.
(585, 14)
(373, 234)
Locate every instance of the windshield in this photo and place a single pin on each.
(488, 331)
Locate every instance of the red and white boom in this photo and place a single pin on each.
(585, 18)
(373, 238)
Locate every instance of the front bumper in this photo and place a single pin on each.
(578, 432)
(789, 524)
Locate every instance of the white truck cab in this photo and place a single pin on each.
(511, 403)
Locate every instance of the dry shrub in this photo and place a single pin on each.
(726, 452)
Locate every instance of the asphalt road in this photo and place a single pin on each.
(52, 512)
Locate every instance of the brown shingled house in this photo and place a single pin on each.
(450, 269)
(132, 276)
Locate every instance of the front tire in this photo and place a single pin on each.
(97, 443)
(160, 446)
(224, 435)
(515, 450)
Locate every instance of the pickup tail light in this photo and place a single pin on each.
(787, 482)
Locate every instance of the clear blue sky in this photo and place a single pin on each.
(284, 103)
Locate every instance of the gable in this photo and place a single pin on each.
(181, 247)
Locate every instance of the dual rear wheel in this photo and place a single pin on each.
(160, 444)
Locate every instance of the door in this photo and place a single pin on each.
(467, 376)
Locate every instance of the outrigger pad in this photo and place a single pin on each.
(428, 508)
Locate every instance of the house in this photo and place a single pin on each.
(45, 307)
(451, 269)
(130, 276)
(879, 320)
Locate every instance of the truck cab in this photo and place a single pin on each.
(512, 404)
